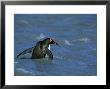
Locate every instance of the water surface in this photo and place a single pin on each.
(76, 34)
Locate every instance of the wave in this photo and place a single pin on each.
(58, 57)
(22, 70)
(41, 36)
(16, 62)
(25, 71)
(82, 39)
(67, 42)
(24, 21)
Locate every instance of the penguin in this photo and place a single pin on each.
(40, 50)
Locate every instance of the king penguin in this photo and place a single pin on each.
(42, 49)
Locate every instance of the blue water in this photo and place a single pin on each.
(76, 34)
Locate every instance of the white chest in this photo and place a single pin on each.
(49, 49)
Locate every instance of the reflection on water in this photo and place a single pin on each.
(76, 34)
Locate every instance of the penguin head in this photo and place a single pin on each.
(50, 41)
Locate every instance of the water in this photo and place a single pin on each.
(76, 34)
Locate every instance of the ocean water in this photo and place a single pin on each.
(76, 35)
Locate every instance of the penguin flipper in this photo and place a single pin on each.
(29, 50)
(49, 53)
